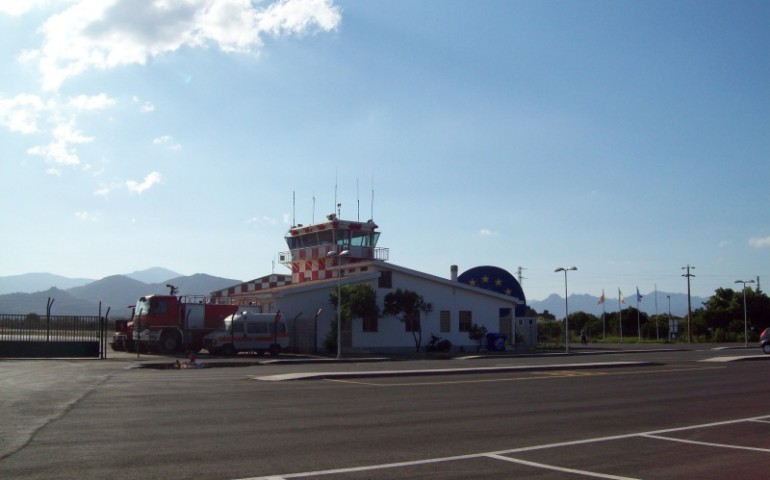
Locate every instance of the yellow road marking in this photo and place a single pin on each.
(537, 375)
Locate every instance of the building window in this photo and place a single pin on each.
(370, 323)
(385, 280)
(466, 320)
(446, 321)
(412, 323)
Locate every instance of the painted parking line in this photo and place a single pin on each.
(705, 444)
(504, 455)
(546, 466)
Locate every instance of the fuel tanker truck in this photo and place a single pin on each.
(170, 324)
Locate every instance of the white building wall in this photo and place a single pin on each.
(441, 295)
(301, 305)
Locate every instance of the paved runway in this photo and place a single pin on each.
(665, 414)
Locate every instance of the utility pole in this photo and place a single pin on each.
(689, 303)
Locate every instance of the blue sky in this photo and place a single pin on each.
(626, 138)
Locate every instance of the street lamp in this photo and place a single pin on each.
(339, 256)
(566, 307)
(745, 313)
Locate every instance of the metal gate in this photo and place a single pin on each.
(52, 336)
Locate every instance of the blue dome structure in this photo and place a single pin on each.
(497, 280)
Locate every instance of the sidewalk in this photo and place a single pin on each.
(579, 356)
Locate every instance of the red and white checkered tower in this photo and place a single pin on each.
(315, 249)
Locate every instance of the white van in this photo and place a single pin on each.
(249, 331)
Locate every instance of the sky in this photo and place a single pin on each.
(628, 139)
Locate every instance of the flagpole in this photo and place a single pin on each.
(620, 315)
(657, 328)
(604, 317)
(638, 319)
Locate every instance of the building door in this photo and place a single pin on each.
(506, 325)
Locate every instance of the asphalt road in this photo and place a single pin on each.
(673, 415)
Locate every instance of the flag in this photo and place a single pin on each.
(601, 299)
(638, 295)
(621, 297)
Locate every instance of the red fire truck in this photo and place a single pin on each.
(170, 324)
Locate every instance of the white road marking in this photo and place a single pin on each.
(501, 454)
(559, 469)
(706, 444)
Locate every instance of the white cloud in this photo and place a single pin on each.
(21, 113)
(105, 34)
(262, 221)
(485, 232)
(87, 216)
(760, 242)
(151, 179)
(60, 151)
(91, 102)
(102, 191)
(27, 113)
(20, 7)
(145, 107)
(167, 141)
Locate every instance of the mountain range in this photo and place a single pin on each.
(82, 296)
(29, 293)
(590, 304)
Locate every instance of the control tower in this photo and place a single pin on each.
(314, 250)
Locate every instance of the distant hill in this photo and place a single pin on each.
(36, 282)
(199, 284)
(64, 303)
(153, 275)
(589, 304)
(116, 292)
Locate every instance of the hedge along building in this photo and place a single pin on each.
(335, 253)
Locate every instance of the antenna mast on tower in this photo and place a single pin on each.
(520, 274)
(372, 204)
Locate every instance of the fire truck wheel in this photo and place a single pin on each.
(170, 342)
(275, 350)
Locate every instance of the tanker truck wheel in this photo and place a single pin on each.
(170, 342)
(228, 350)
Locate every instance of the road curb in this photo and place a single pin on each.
(444, 371)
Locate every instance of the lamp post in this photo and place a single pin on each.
(566, 307)
(745, 313)
(339, 256)
(688, 275)
(670, 322)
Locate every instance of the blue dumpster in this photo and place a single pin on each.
(496, 342)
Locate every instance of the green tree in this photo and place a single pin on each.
(587, 322)
(407, 306)
(476, 333)
(358, 301)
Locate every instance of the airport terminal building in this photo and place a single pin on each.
(335, 252)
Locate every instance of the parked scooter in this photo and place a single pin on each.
(438, 344)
